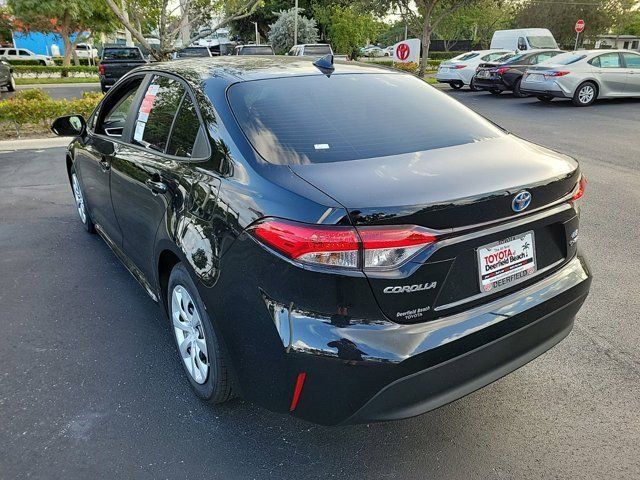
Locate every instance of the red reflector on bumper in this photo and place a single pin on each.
(297, 390)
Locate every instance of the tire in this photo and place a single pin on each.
(472, 86)
(456, 85)
(78, 196)
(545, 98)
(208, 371)
(495, 91)
(11, 86)
(43, 63)
(585, 94)
(516, 90)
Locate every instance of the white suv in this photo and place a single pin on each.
(24, 54)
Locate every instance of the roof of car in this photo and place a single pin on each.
(236, 68)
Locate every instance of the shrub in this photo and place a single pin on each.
(55, 71)
(411, 67)
(281, 32)
(443, 55)
(34, 107)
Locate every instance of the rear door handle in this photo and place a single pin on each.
(156, 186)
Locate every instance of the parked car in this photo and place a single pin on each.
(522, 39)
(254, 50)
(190, 52)
(374, 51)
(459, 71)
(311, 49)
(11, 54)
(585, 76)
(506, 73)
(6, 76)
(349, 270)
(84, 50)
(116, 61)
(388, 51)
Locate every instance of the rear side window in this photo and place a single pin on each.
(608, 60)
(185, 130)
(316, 119)
(156, 112)
(256, 50)
(317, 49)
(121, 54)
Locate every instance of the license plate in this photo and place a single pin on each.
(444, 69)
(506, 262)
(534, 77)
(483, 74)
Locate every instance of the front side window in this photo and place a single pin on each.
(116, 108)
(25, 53)
(541, 42)
(631, 60)
(156, 112)
(315, 119)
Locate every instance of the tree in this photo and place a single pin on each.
(560, 17)
(349, 28)
(476, 22)
(281, 33)
(174, 18)
(65, 18)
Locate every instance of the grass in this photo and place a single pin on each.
(59, 80)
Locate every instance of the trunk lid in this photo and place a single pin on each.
(460, 191)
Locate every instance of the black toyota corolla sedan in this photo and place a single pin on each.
(338, 241)
(506, 73)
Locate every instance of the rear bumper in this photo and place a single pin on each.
(490, 84)
(388, 372)
(544, 92)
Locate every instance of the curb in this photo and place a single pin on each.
(34, 143)
(57, 85)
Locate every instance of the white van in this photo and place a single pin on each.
(523, 39)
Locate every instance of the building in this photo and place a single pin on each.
(628, 42)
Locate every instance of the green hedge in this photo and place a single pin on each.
(83, 61)
(443, 55)
(35, 108)
(42, 71)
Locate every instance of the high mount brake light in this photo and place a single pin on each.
(383, 247)
(580, 188)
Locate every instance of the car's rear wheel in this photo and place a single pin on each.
(81, 206)
(201, 353)
(12, 83)
(585, 94)
(545, 98)
(495, 91)
(42, 62)
(516, 90)
(456, 85)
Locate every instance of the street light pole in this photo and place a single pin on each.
(295, 25)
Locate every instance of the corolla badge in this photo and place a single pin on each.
(521, 201)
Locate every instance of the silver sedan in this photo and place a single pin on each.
(584, 76)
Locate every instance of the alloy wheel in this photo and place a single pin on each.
(79, 198)
(586, 94)
(189, 332)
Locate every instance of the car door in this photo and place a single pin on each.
(25, 55)
(93, 162)
(632, 65)
(147, 173)
(610, 73)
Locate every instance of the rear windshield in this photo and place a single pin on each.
(317, 49)
(467, 56)
(256, 50)
(193, 52)
(319, 119)
(565, 59)
(121, 54)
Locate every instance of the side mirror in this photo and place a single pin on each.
(69, 126)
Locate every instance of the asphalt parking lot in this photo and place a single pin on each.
(91, 387)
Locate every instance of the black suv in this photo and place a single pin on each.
(321, 254)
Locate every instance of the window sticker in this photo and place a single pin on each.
(144, 110)
(139, 132)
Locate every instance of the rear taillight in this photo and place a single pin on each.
(383, 247)
(501, 70)
(578, 193)
(556, 73)
(101, 69)
(457, 67)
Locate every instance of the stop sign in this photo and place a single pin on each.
(579, 26)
